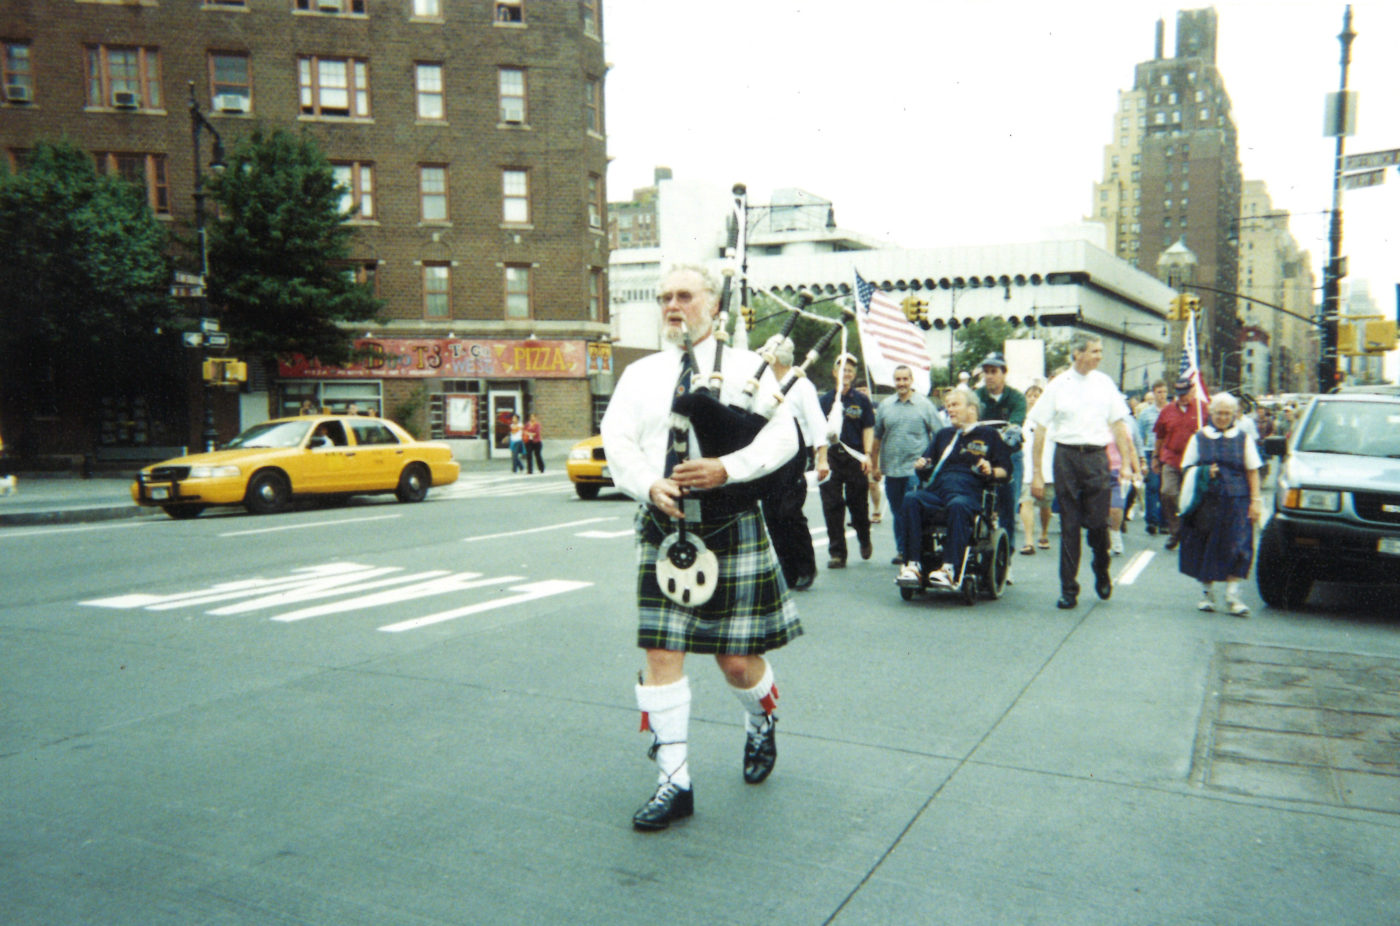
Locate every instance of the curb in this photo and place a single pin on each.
(74, 515)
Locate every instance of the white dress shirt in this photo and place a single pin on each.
(806, 410)
(1080, 408)
(637, 428)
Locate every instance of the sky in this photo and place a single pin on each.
(939, 122)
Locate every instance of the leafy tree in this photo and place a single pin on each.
(274, 249)
(983, 336)
(85, 280)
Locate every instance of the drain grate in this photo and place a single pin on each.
(1302, 725)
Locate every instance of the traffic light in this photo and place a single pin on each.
(1192, 305)
(1358, 337)
(916, 310)
(224, 371)
(1176, 310)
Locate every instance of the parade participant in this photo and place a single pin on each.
(1147, 443)
(1174, 427)
(959, 460)
(1217, 540)
(782, 506)
(1001, 402)
(750, 611)
(1030, 505)
(1085, 410)
(904, 424)
(849, 459)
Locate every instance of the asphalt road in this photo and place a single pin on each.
(384, 713)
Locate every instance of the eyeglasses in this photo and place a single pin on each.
(683, 297)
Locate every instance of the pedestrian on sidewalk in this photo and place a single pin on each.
(751, 611)
(1085, 410)
(534, 444)
(517, 445)
(1217, 536)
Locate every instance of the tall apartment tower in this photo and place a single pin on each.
(468, 135)
(1178, 178)
(1279, 348)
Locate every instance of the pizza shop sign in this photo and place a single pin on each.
(452, 358)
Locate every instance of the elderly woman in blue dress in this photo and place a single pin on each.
(1217, 542)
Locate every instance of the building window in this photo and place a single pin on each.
(517, 291)
(342, 7)
(125, 78)
(1167, 204)
(432, 192)
(515, 190)
(230, 85)
(595, 294)
(1205, 114)
(593, 105)
(596, 205)
(427, 9)
(510, 11)
(362, 273)
(589, 9)
(146, 171)
(16, 73)
(427, 79)
(334, 86)
(357, 182)
(512, 95)
(437, 291)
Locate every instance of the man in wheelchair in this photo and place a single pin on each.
(961, 461)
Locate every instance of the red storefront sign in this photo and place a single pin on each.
(451, 358)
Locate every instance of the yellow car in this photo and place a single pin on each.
(588, 467)
(263, 468)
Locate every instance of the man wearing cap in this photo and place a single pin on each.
(849, 457)
(782, 506)
(1084, 410)
(904, 425)
(1000, 402)
(1173, 429)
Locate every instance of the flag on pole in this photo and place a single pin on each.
(1190, 369)
(888, 338)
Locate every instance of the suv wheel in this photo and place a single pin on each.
(1281, 584)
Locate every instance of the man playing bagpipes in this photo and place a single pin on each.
(708, 580)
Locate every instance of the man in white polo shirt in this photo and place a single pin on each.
(1084, 410)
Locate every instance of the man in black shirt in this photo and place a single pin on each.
(849, 459)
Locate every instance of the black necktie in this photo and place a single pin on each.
(680, 436)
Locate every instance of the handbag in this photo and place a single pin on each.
(1200, 507)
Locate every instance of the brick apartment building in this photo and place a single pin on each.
(468, 133)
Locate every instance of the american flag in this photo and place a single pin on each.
(1190, 370)
(888, 338)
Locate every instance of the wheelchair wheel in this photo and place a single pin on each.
(907, 593)
(996, 563)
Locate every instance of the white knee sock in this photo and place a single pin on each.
(666, 713)
(759, 701)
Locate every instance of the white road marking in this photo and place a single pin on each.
(535, 530)
(455, 583)
(326, 588)
(1135, 567)
(528, 592)
(297, 527)
(225, 590)
(37, 531)
(605, 535)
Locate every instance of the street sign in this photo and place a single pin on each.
(192, 338)
(1371, 159)
(1364, 179)
(216, 340)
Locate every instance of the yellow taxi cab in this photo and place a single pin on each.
(267, 465)
(588, 467)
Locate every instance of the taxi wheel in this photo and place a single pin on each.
(183, 512)
(413, 484)
(267, 493)
(587, 490)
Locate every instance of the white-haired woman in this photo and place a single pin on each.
(1217, 539)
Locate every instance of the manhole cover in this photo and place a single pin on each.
(1302, 725)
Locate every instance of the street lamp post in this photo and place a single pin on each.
(1332, 271)
(200, 124)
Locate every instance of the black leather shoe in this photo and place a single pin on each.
(1152, 530)
(802, 583)
(1103, 587)
(1066, 602)
(867, 549)
(761, 752)
(1173, 543)
(669, 803)
(836, 562)
(897, 561)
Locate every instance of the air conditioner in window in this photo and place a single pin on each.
(230, 103)
(18, 93)
(124, 99)
(513, 111)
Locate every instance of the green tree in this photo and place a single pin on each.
(276, 250)
(85, 281)
(983, 336)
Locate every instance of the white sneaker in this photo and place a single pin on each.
(1206, 604)
(908, 576)
(1237, 608)
(943, 576)
(1115, 543)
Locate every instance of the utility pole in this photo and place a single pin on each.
(1334, 270)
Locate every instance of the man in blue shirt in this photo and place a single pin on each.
(849, 459)
(961, 459)
(1147, 443)
(904, 424)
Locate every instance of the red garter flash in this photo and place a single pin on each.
(770, 701)
(646, 723)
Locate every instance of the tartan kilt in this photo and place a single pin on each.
(751, 611)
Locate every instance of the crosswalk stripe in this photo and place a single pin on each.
(528, 592)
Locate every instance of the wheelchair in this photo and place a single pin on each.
(985, 562)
